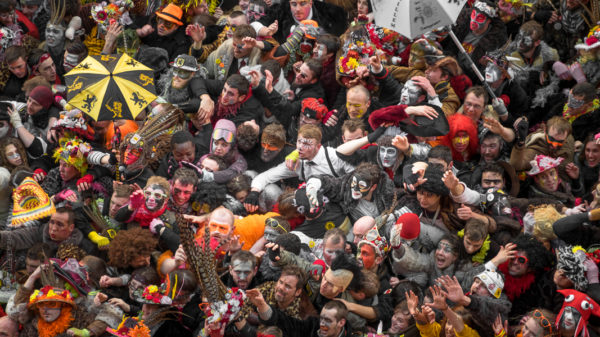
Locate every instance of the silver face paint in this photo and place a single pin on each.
(574, 103)
(524, 42)
(492, 73)
(410, 93)
(55, 35)
(271, 234)
(388, 156)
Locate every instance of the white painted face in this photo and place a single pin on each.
(492, 73)
(50, 314)
(410, 93)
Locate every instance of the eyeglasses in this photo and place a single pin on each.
(275, 224)
(544, 322)
(167, 24)
(183, 74)
(155, 195)
(473, 106)
(553, 141)
(520, 259)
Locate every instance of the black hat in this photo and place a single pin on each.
(185, 62)
(434, 183)
(416, 125)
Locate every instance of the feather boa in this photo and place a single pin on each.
(60, 325)
(515, 286)
(143, 216)
(478, 257)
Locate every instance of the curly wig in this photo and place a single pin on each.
(129, 244)
(539, 257)
(459, 122)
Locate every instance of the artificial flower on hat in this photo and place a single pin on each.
(355, 54)
(543, 163)
(50, 294)
(152, 294)
(226, 310)
(74, 151)
(592, 40)
(378, 242)
(105, 13)
(130, 327)
(73, 122)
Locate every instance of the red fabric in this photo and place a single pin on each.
(38, 171)
(389, 172)
(457, 123)
(515, 286)
(505, 99)
(143, 216)
(33, 30)
(294, 222)
(411, 226)
(327, 115)
(394, 114)
(460, 84)
(88, 178)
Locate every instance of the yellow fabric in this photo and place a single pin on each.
(467, 332)
(93, 44)
(251, 228)
(430, 330)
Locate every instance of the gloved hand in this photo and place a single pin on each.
(199, 171)
(395, 239)
(112, 159)
(252, 198)
(293, 42)
(207, 176)
(156, 225)
(85, 182)
(313, 185)
(79, 332)
(521, 127)
(310, 29)
(373, 136)
(15, 118)
(98, 239)
(499, 106)
(274, 253)
(561, 70)
(137, 199)
(577, 72)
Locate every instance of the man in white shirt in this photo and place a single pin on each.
(312, 159)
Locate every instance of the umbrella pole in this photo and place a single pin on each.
(472, 64)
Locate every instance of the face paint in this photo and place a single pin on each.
(410, 93)
(492, 73)
(271, 234)
(268, 152)
(55, 35)
(356, 109)
(50, 314)
(524, 42)
(573, 102)
(548, 180)
(131, 155)
(242, 273)
(460, 143)
(319, 52)
(478, 20)
(366, 256)
(569, 319)
(360, 188)
(388, 156)
(155, 197)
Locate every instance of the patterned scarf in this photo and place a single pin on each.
(572, 114)
(227, 111)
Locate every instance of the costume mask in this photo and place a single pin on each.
(574, 103)
(492, 73)
(388, 156)
(410, 93)
(360, 188)
(269, 152)
(155, 197)
(478, 20)
(55, 35)
(576, 311)
(524, 42)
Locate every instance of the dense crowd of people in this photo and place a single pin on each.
(303, 170)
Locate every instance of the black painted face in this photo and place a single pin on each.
(360, 187)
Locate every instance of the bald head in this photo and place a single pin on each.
(8, 327)
(361, 227)
(361, 90)
(221, 223)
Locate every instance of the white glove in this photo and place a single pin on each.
(313, 185)
(74, 25)
(499, 106)
(207, 176)
(15, 118)
(575, 210)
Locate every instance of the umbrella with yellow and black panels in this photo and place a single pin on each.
(108, 87)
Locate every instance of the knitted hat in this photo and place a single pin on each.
(50, 294)
(434, 182)
(42, 95)
(318, 268)
(314, 108)
(378, 242)
(577, 301)
(493, 282)
(572, 264)
(543, 163)
(273, 135)
(130, 327)
(73, 151)
(487, 8)
(410, 226)
(30, 203)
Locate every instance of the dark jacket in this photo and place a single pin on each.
(293, 327)
(330, 18)
(175, 44)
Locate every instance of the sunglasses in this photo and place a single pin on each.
(520, 259)
(226, 135)
(165, 23)
(269, 147)
(183, 74)
(275, 224)
(544, 322)
(554, 142)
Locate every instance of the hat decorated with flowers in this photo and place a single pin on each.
(592, 40)
(130, 327)
(74, 151)
(543, 163)
(152, 294)
(387, 40)
(50, 294)
(105, 13)
(30, 202)
(378, 242)
(73, 122)
(224, 311)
